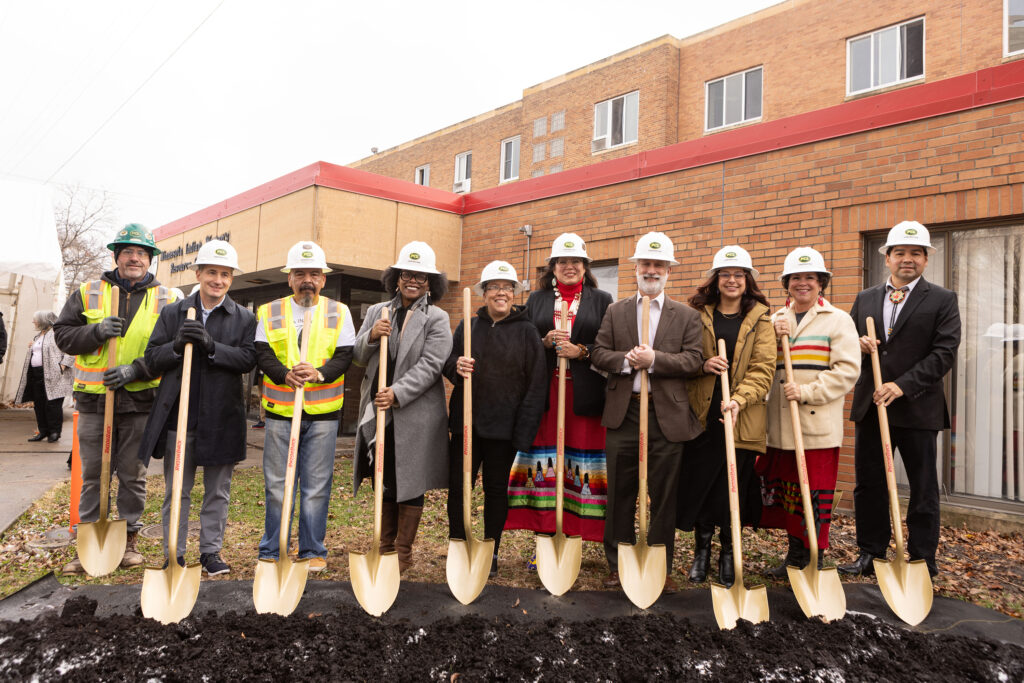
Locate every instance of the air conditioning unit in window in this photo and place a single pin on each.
(462, 186)
(598, 145)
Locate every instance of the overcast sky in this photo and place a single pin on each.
(173, 106)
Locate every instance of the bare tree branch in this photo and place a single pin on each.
(84, 218)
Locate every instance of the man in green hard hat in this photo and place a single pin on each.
(82, 330)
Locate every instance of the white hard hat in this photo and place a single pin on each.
(306, 255)
(655, 246)
(217, 253)
(178, 294)
(195, 288)
(803, 260)
(998, 331)
(909, 234)
(417, 256)
(732, 256)
(1014, 333)
(569, 245)
(498, 270)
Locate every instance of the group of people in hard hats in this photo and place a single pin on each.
(515, 406)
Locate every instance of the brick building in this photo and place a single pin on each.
(810, 123)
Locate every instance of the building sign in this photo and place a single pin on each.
(187, 250)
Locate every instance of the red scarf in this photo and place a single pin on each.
(570, 294)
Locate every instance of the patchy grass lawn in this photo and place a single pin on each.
(981, 567)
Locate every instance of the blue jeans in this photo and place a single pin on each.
(313, 478)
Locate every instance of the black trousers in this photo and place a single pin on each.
(49, 413)
(870, 497)
(495, 456)
(664, 458)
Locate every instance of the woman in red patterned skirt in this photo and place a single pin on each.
(826, 364)
(531, 487)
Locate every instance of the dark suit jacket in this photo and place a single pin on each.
(919, 353)
(588, 386)
(216, 405)
(677, 354)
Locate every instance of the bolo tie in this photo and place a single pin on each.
(896, 296)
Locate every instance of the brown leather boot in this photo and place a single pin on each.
(132, 557)
(408, 523)
(388, 526)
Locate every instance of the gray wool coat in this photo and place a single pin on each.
(57, 372)
(421, 420)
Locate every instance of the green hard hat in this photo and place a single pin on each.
(134, 233)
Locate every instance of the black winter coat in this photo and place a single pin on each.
(216, 406)
(509, 379)
(588, 385)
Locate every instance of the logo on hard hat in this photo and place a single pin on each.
(655, 245)
(568, 244)
(414, 256)
(221, 252)
(307, 254)
(910, 231)
(804, 259)
(502, 269)
(730, 254)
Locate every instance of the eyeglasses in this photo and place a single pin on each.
(501, 289)
(408, 275)
(731, 276)
(135, 251)
(563, 261)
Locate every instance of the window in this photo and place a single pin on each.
(557, 168)
(607, 275)
(734, 99)
(615, 121)
(510, 159)
(540, 127)
(538, 152)
(557, 121)
(537, 173)
(887, 56)
(422, 175)
(1013, 37)
(463, 171)
(557, 147)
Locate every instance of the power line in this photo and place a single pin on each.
(134, 93)
(129, 195)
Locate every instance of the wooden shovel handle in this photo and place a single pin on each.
(287, 506)
(108, 414)
(883, 429)
(378, 458)
(730, 465)
(801, 458)
(467, 416)
(563, 326)
(645, 338)
(179, 445)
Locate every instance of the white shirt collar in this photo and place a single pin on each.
(660, 299)
(910, 285)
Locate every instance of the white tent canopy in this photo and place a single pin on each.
(30, 245)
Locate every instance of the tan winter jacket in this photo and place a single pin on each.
(826, 364)
(750, 374)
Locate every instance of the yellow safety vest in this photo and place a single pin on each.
(89, 367)
(276, 318)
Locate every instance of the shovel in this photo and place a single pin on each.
(818, 590)
(101, 544)
(278, 584)
(169, 594)
(906, 586)
(375, 576)
(559, 556)
(643, 568)
(735, 603)
(469, 560)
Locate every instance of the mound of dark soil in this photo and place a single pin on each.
(349, 645)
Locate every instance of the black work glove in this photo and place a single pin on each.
(193, 331)
(110, 327)
(119, 375)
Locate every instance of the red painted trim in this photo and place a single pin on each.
(985, 87)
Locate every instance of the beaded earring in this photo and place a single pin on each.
(554, 282)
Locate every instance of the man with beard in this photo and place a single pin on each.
(674, 353)
(278, 340)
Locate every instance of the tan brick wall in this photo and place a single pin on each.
(951, 169)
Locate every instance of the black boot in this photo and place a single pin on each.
(701, 553)
(796, 556)
(726, 572)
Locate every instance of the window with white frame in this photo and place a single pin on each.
(557, 147)
(615, 121)
(421, 176)
(557, 121)
(538, 152)
(734, 98)
(540, 127)
(885, 57)
(1013, 33)
(510, 159)
(463, 171)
